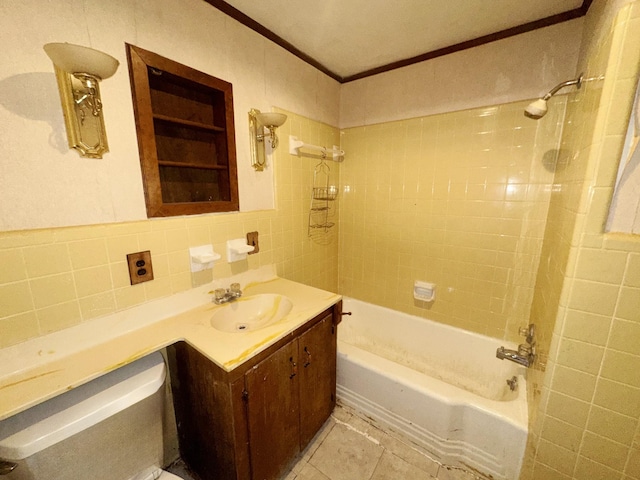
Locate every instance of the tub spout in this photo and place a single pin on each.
(524, 359)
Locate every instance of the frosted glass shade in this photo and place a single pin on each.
(78, 59)
(271, 119)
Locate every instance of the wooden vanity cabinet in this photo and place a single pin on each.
(250, 423)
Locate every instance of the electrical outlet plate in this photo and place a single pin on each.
(140, 267)
(252, 239)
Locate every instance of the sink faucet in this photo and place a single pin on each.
(526, 353)
(229, 295)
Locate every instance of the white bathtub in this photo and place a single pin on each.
(441, 387)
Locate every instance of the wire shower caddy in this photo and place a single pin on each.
(323, 193)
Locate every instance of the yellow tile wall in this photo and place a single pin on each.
(55, 278)
(459, 199)
(585, 421)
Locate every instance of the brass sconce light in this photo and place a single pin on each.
(257, 123)
(78, 72)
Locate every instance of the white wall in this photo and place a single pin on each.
(44, 184)
(516, 68)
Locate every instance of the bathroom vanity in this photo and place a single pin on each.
(250, 422)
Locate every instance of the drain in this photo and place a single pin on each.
(242, 326)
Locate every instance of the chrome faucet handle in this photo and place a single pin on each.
(529, 332)
(219, 293)
(525, 349)
(235, 288)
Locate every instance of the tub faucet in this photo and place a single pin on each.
(524, 356)
(229, 295)
(526, 353)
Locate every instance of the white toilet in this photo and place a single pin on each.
(108, 429)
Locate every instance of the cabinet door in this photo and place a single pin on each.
(317, 354)
(272, 411)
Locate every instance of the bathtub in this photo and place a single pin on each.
(441, 387)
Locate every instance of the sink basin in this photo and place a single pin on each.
(251, 313)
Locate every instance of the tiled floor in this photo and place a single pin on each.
(348, 447)
(180, 469)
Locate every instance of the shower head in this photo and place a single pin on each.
(538, 108)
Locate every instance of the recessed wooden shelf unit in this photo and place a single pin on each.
(186, 136)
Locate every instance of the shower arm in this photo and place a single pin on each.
(568, 83)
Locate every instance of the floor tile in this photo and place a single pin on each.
(352, 447)
(290, 476)
(346, 455)
(342, 413)
(180, 469)
(391, 467)
(364, 427)
(309, 472)
(319, 437)
(410, 454)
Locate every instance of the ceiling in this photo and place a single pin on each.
(350, 39)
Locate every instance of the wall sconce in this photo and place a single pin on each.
(78, 72)
(257, 123)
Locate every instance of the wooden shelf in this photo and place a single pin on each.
(188, 123)
(165, 163)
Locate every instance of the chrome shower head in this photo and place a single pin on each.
(538, 108)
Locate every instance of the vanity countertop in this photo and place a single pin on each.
(58, 362)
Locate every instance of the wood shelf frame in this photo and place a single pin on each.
(186, 136)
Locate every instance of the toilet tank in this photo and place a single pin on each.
(107, 429)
